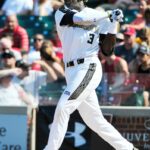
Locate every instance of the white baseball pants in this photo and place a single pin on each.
(82, 80)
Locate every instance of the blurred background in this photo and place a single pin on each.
(32, 76)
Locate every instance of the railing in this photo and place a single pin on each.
(114, 89)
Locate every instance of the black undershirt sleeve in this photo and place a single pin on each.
(67, 18)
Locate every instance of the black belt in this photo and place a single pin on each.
(72, 63)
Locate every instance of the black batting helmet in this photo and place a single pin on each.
(75, 4)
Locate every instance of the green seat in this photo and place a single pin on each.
(2, 20)
(48, 22)
(130, 15)
(26, 21)
(32, 31)
(53, 90)
(37, 24)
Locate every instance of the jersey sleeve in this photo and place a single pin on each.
(89, 16)
(106, 26)
(58, 17)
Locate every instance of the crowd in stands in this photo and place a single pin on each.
(29, 62)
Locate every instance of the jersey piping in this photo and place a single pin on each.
(84, 83)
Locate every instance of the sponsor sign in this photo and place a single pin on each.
(13, 132)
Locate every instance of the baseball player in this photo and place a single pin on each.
(82, 31)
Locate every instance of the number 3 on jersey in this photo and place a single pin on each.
(91, 38)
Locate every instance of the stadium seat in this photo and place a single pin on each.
(130, 15)
(37, 24)
(2, 20)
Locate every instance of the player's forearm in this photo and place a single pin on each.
(88, 18)
(6, 72)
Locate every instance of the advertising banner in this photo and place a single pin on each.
(13, 131)
(78, 135)
(132, 123)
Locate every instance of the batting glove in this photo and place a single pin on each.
(116, 15)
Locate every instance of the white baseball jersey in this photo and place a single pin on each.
(76, 46)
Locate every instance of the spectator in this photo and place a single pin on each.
(11, 67)
(139, 22)
(46, 7)
(6, 44)
(141, 66)
(115, 66)
(20, 36)
(49, 58)
(129, 48)
(10, 62)
(144, 58)
(141, 63)
(8, 59)
(134, 64)
(144, 36)
(48, 49)
(29, 79)
(25, 68)
(32, 78)
(40, 63)
(23, 7)
(12, 94)
(35, 52)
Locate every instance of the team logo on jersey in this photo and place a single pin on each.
(79, 140)
(67, 93)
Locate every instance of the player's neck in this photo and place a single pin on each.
(77, 6)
